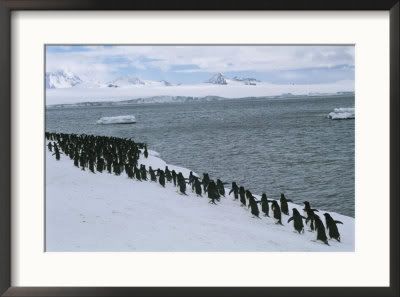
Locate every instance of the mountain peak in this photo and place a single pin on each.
(126, 81)
(61, 79)
(217, 79)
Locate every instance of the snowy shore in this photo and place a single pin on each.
(150, 93)
(104, 212)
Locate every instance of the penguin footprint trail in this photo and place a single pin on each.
(120, 155)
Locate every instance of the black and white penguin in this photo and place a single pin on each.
(297, 221)
(277, 212)
(284, 204)
(331, 226)
(320, 228)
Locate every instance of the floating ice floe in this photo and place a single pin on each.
(127, 119)
(342, 113)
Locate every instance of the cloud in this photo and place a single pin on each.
(102, 62)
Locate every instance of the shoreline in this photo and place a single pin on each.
(95, 187)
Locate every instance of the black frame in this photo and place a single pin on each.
(8, 6)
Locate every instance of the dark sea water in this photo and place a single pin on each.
(266, 145)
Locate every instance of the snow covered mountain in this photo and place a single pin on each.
(217, 79)
(246, 80)
(61, 79)
(220, 79)
(125, 82)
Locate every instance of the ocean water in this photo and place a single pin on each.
(267, 145)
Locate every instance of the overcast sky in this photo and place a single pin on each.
(193, 64)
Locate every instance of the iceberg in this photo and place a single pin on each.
(342, 113)
(126, 119)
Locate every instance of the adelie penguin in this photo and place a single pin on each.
(235, 190)
(168, 175)
(161, 178)
(284, 204)
(173, 173)
(320, 228)
(297, 221)
(242, 196)
(265, 205)
(253, 204)
(197, 187)
(331, 226)
(181, 183)
(277, 212)
(221, 187)
(152, 174)
(212, 192)
(143, 172)
(205, 181)
(310, 213)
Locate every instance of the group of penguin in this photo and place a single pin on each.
(116, 155)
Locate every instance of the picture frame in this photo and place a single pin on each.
(7, 7)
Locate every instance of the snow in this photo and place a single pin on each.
(104, 212)
(342, 113)
(126, 119)
(217, 79)
(234, 89)
(61, 79)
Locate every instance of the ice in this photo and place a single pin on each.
(125, 119)
(342, 113)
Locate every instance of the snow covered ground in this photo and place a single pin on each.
(104, 212)
(231, 90)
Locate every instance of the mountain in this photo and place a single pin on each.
(165, 83)
(62, 79)
(217, 79)
(246, 80)
(125, 82)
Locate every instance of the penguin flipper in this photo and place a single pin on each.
(338, 222)
(290, 219)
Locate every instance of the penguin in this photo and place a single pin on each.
(173, 173)
(277, 212)
(212, 192)
(221, 187)
(197, 187)
(137, 174)
(191, 178)
(310, 213)
(168, 174)
(265, 205)
(205, 181)
(181, 183)
(143, 172)
(161, 178)
(152, 174)
(297, 221)
(242, 196)
(50, 146)
(235, 190)
(253, 204)
(331, 226)
(284, 205)
(145, 153)
(320, 228)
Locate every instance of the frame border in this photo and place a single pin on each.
(8, 6)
